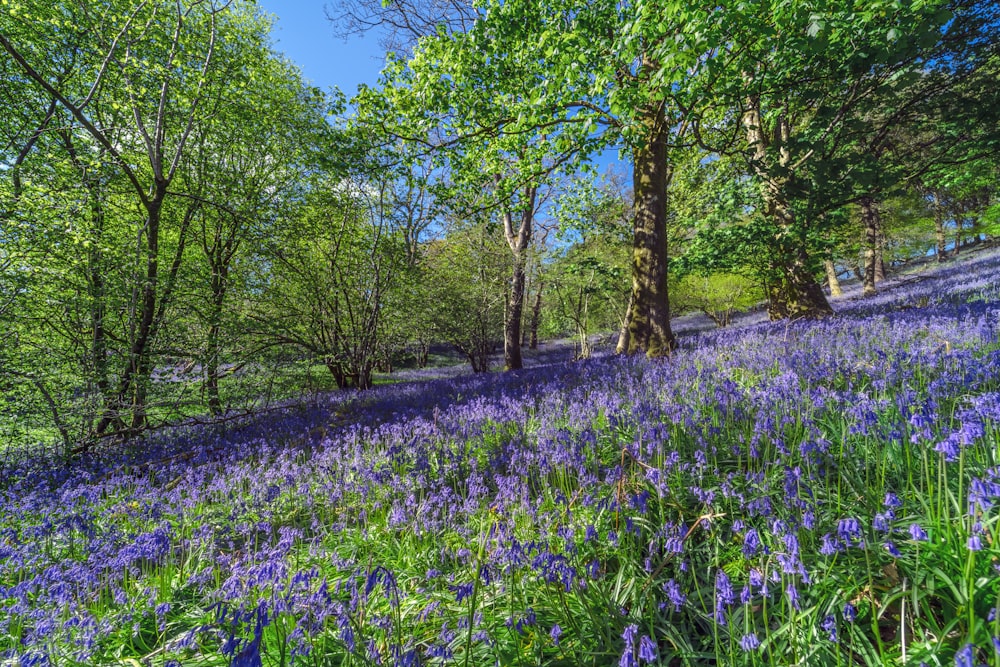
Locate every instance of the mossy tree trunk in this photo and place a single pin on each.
(794, 292)
(649, 324)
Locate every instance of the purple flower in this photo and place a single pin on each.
(850, 612)
(829, 625)
(880, 521)
(555, 633)
(749, 642)
(628, 658)
(647, 649)
(965, 656)
(674, 594)
(975, 543)
(793, 596)
(751, 543)
(849, 530)
(462, 591)
(724, 596)
(948, 447)
(917, 533)
(830, 546)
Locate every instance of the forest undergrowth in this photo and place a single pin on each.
(808, 493)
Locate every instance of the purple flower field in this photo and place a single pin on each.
(814, 493)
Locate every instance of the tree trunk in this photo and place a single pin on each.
(623, 335)
(518, 240)
(514, 313)
(336, 369)
(870, 220)
(131, 392)
(363, 378)
(939, 234)
(584, 339)
(98, 302)
(649, 324)
(212, 371)
(880, 271)
(213, 348)
(777, 304)
(795, 292)
(536, 318)
(831, 277)
(95, 258)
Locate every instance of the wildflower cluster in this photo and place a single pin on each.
(812, 493)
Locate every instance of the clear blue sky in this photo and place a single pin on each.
(306, 37)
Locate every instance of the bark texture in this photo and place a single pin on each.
(831, 278)
(536, 319)
(871, 219)
(793, 292)
(623, 335)
(649, 325)
(518, 238)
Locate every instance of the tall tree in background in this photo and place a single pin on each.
(800, 79)
(601, 75)
(250, 169)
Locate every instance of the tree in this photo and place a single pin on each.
(463, 278)
(179, 111)
(811, 86)
(328, 275)
(579, 78)
(248, 172)
(140, 87)
(595, 219)
(401, 22)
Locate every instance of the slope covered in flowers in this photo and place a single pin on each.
(808, 493)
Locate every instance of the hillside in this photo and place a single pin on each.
(812, 492)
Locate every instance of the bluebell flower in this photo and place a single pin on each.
(749, 642)
(674, 594)
(793, 596)
(880, 522)
(849, 530)
(830, 545)
(751, 543)
(628, 658)
(647, 649)
(965, 656)
(829, 625)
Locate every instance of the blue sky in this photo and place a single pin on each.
(304, 34)
(306, 37)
